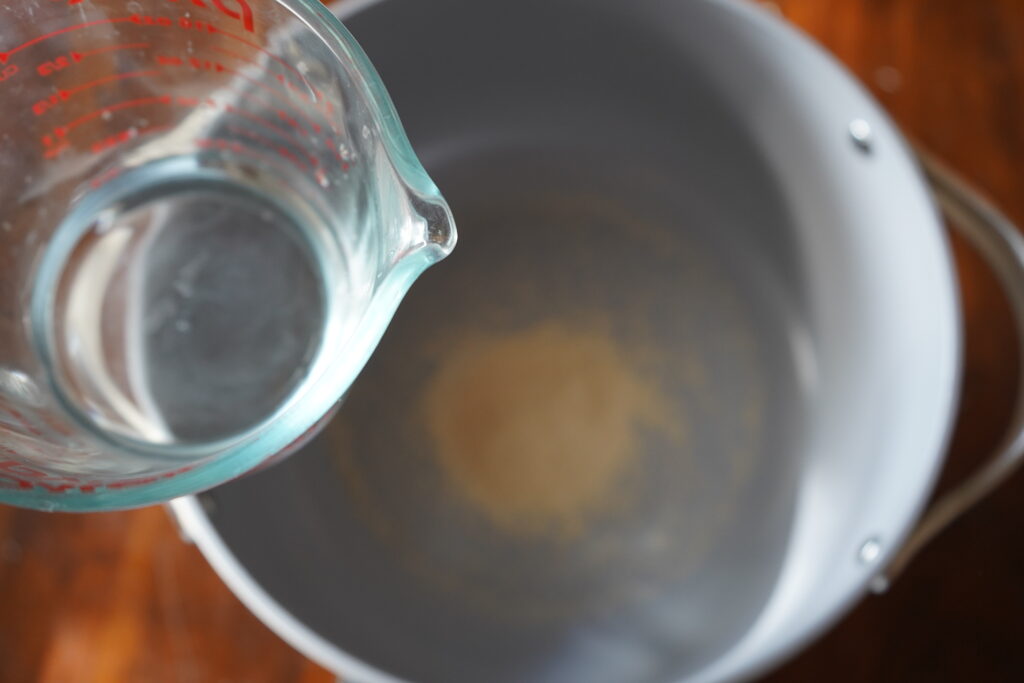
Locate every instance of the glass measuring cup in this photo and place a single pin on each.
(209, 213)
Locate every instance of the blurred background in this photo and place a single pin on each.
(122, 597)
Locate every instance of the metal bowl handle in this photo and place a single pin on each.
(1002, 246)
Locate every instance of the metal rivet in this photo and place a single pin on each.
(860, 132)
(869, 551)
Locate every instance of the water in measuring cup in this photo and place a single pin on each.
(191, 309)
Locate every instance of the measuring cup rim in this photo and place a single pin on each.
(220, 460)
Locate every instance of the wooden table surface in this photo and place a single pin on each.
(118, 597)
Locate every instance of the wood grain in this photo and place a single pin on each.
(118, 597)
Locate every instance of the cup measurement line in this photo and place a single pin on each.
(289, 87)
(64, 130)
(277, 58)
(186, 24)
(61, 62)
(211, 65)
(114, 48)
(55, 143)
(311, 163)
(239, 148)
(5, 55)
(121, 137)
(280, 77)
(68, 93)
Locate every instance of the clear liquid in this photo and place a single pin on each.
(191, 309)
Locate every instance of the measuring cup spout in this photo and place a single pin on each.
(437, 225)
(421, 230)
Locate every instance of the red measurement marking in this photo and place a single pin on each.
(333, 146)
(279, 95)
(268, 53)
(315, 127)
(194, 62)
(277, 129)
(43, 106)
(283, 115)
(115, 48)
(268, 144)
(4, 56)
(238, 148)
(139, 481)
(20, 419)
(102, 180)
(54, 152)
(150, 20)
(20, 469)
(19, 475)
(65, 94)
(112, 141)
(55, 142)
(231, 109)
(52, 66)
(8, 482)
(55, 425)
(246, 60)
(290, 156)
(281, 79)
(62, 131)
(8, 71)
(198, 25)
(293, 88)
(206, 64)
(55, 488)
(59, 63)
(243, 14)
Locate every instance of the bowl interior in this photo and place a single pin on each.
(602, 193)
(659, 202)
